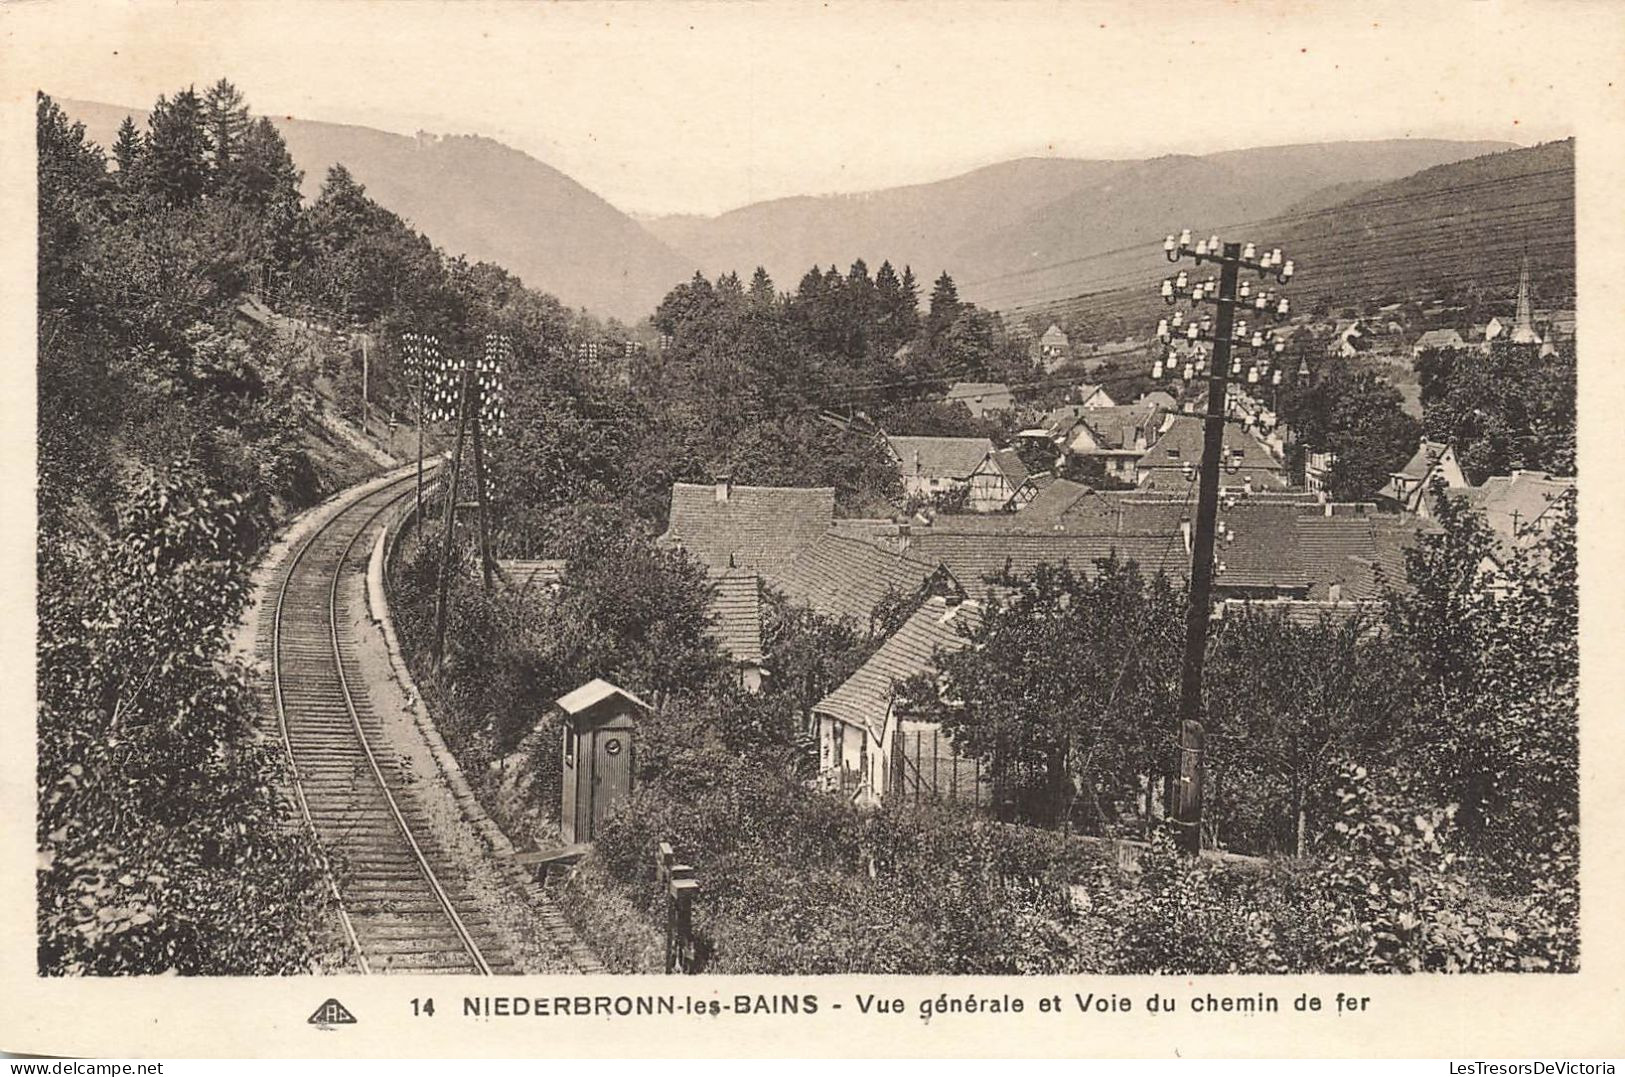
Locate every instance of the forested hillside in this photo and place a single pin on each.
(480, 199)
(173, 437)
(995, 228)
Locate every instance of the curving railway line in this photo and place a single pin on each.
(402, 904)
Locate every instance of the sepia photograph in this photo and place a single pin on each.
(942, 490)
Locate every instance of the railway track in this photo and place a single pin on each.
(403, 906)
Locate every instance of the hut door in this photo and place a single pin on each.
(611, 772)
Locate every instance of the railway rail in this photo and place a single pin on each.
(402, 905)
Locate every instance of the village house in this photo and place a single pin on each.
(978, 555)
(1053, 348)
(736, 624)
(737, 533)
(724, 526)
(996, 480)
(1558, 326)
(1349, 339)
(1520, 508)
(983, 398)
(1095, 396)
(1172, 461)
(1438, 340)
(931, 465)
(858, 723)
(1407, 489)
(846, 577)
(1117, 435)
(1317, 467)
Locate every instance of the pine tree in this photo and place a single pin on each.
(811, 288)
(887, 286)
(762, 293)
(264, 174)
(226, 116)
(945, 305)
(177, 148)
(908, 306)
(128, 151)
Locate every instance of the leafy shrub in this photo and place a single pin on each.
(163, 842)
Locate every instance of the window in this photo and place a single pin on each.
(1173, 454)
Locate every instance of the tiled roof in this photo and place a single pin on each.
(1037, 484)
(1053, 337)
(1119, 426)
(973, 556)
(1264, 553)
(736, 616)
(1095, 396)
(1422, 462)
(1159, 398)
(1511, 504)
(1391, 539)
(1058, 420)
(1052, 501)
(1439, 338)
(865, 698)
(755, 528)
(841, 576)
(1183, 438)
(1008, 461)
(939, 458)
(867, 528)
(1338, 550)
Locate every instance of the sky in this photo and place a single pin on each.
(698, 108)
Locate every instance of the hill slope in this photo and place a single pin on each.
(1460, 228)
(478, 197)
(1012, 217)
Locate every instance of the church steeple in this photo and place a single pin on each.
(1523, 326)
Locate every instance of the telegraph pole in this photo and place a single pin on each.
(488, 410)
(1225, 333)
(365, 371)
(422, 361)
(451, 518)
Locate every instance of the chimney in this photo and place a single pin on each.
(725, 486)
(1328, 508)
(904, 529)
(1334, 593)
(1185, 532)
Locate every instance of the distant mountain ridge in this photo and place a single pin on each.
(1461, 229)
(1001, 230)
(475, 196)
(1022, 215)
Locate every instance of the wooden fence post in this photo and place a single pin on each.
(679, 885)
(682, 897)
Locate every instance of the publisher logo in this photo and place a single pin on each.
(330, 1013)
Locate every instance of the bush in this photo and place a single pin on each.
(164, 845)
